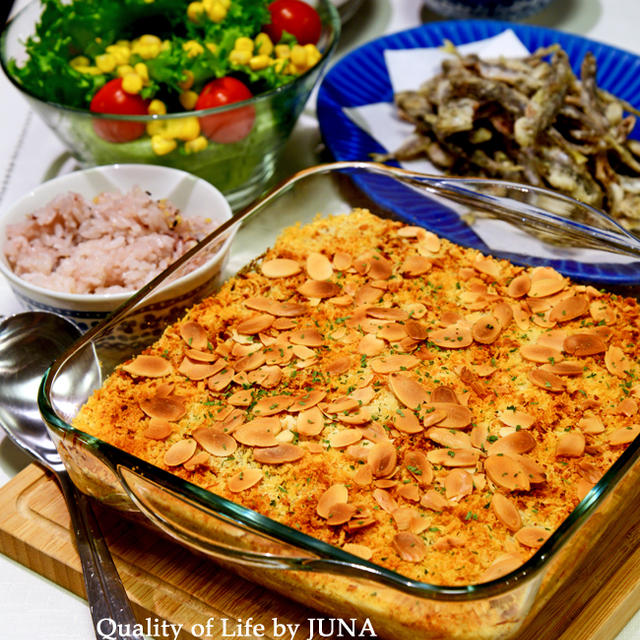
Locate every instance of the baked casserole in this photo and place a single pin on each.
(431, 409)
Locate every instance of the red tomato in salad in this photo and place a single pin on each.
(112, 98)
(229, 126)
(295, 17)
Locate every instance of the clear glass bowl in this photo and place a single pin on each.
(282, 558)
(241, 170)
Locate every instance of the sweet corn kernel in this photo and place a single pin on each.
(155, 128)
(120, 53)
(259, 62)
(212, 47)
(161, 146)
(240, 57)
(188, 99)
(312, 53)
(217, 13)
(132, 83)
(283, 51)
(197, 144)
(186, 128)
(192, 48)
(157, 108)
(264, 44)
(208, 4)
(298, 56)
(79, 61)
(279, 64)
(187, 83)
(225, 3)
(122, 43)
(166, 45)
(124, 69)
(150, 39)
(141, 69)
(91, 71)
(244, 44)
(195, 11)
(146, 51)
(106, 62)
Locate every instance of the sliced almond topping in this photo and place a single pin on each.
(411, 231)
(433, 417)
(406, 518)
(341, 513)
(486, 329)
(455, 336)
(589, 471)
(244, 480)
(407, 422)
(419, 467)
(335, 494)
(393, 363)
(479, 435)
(363, 395)
(367, 294)
(260, 432)
(625, 435)
(534, 472)
(520, 317)
(506, 512)
(584, 344)
(270, 405)
(393, 332)
(458, 483)
(279, 454)
(515, 443)
(342, 261)
(280, 268)
(381, 268)
(533, 537)
(502, 566)
(158, 429)
(170, 408)
(488, 266)
(409, 546)
(407, 390)
(318, 266)
(415, 330)
(254, 325)
(284, 324)
(591, 425)
(345, 438)
(384, 500)
(546, 287)
(516, 419)
(266, 376)
(429, 242)
(179, 452)
(434, 501)
(308, 336)
(382, 459)
(409, 492)
(318, 289)
(194, 334)
(200, 459)
(338, 366)
(358, 417)
(363, 477)
(197, 370)
(392, 314)
(506, 472)
(415, 266)
(450, 439)
(221, 380)
(306, 400)
(504, 313)
(242, 398)
(369, 345)
(149, 367)
(205, 356)
(617, 362)
(310, 422)
(600, 312)
(539, 353)
(569, 309)
(345, 403)
(302, 352)
(519, 286)
(359, 550)
(571, 445)
(341, 301)
(545, 379)
(453, 457)
(457, 416)
(216, 443)
(553, 339)
(565, 368)
(444, 394)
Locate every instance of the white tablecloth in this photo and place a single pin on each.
(32, 608)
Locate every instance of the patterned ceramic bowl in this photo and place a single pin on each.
(499, 9)
(191, 195)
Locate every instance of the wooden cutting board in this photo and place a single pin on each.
(168, 582)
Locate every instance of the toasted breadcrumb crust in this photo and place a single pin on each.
(467, 443)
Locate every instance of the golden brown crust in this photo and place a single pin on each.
(400, 381)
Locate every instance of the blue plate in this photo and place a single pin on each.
(361, 78)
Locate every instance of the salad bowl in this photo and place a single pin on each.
(240, 163)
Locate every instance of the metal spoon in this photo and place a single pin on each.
(29, 342)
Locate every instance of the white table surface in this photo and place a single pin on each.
(32, 608)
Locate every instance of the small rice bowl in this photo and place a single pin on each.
(114, 243)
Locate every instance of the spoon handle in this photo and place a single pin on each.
(108, 601)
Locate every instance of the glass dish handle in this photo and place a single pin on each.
(224, 538)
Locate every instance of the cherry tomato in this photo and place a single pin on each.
(295, 17)
(232, 125)
(112, 98)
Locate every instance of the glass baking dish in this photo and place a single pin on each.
(279, 557)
